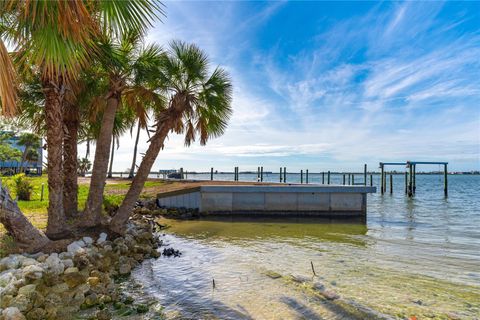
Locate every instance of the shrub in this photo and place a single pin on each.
(23, 188)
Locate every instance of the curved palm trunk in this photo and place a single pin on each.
(70, 188)
(93, 208)
(118, 222)
(26, 236)
(134, 161)
(110, 169)
(56, 226)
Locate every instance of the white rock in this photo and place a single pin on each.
(29, 262)
(10, 262)
(32, 272)
(12, 313)
(6, 277)
(68, 263)
(87, 240)
(65, 255)
(102, 238)
(54, 264)
(75, 246)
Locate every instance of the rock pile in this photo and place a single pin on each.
(56, 286)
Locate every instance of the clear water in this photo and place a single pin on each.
(414, 257)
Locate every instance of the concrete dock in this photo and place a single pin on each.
(309, 200)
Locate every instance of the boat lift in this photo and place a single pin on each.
(410, 177)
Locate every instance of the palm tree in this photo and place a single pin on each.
(58, 38)
(130, 68)
(83, 166)
(29, 141)
(199, 103)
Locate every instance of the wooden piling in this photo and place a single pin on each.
(301, 176)
(261, 174)
(307, 176)
(406, 182)
(381, 179)
(414, 178)
(323, 177)
(344, 179)
(328, 177)
(211, 174)
(365, 174)
(285, 174)
(349, 179)
(445, 180)
(371, 180)
(410, 182)
(181, 173)
(353, 179)
(280, 174)
(391, 183)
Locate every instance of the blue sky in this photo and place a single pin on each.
(333, 85)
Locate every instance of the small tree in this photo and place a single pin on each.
(30, 142)
(83, 166)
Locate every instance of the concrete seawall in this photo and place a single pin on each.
(308, 200)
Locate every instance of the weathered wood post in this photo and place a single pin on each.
(371, 180)
(406, 182)
(234, 173)
(307, 176)
(445, 180)
(211, 174)
(382, 176)
(414, 178)
(41, 192)
(261, 174)
(410, 182)
(349, 179)
(328, 177)
(344, 179)
(181, 173)
(353, 179)
(391, 183)
(285, 174)
(323, 177)
(301, 176)
(280, 174)
(365, 174)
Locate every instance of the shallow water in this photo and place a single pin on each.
(414, 257)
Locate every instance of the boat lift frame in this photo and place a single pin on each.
(410, 182)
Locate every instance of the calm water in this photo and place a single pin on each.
(414, 257)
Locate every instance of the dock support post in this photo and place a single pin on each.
(323, 177)
(353, 179)
(301, 176)
(344, 179)
(280, 174)
(414, 178)
(445, 180)
(365, 174)
(349, 179)
(391, 183)
(181, 173)
(211, 174)
(307, 176)
(285, 174)
(410, 182)
(381, 179)
(371, 180)
(406, 182)
(261, 174)
(328, 177)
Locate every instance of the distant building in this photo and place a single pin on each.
(30, 167)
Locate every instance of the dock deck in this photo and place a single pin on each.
(309, 200)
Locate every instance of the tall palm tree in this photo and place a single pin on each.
(199, 103)
(130, 68)
(58, 38)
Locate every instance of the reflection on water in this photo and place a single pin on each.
(413, 257)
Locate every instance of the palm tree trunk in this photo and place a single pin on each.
(111, 158)
(134, 161)
(70, 188)
(87, 153)
(26, 236)
(118, 222)
(56, 226)
(93, 208)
